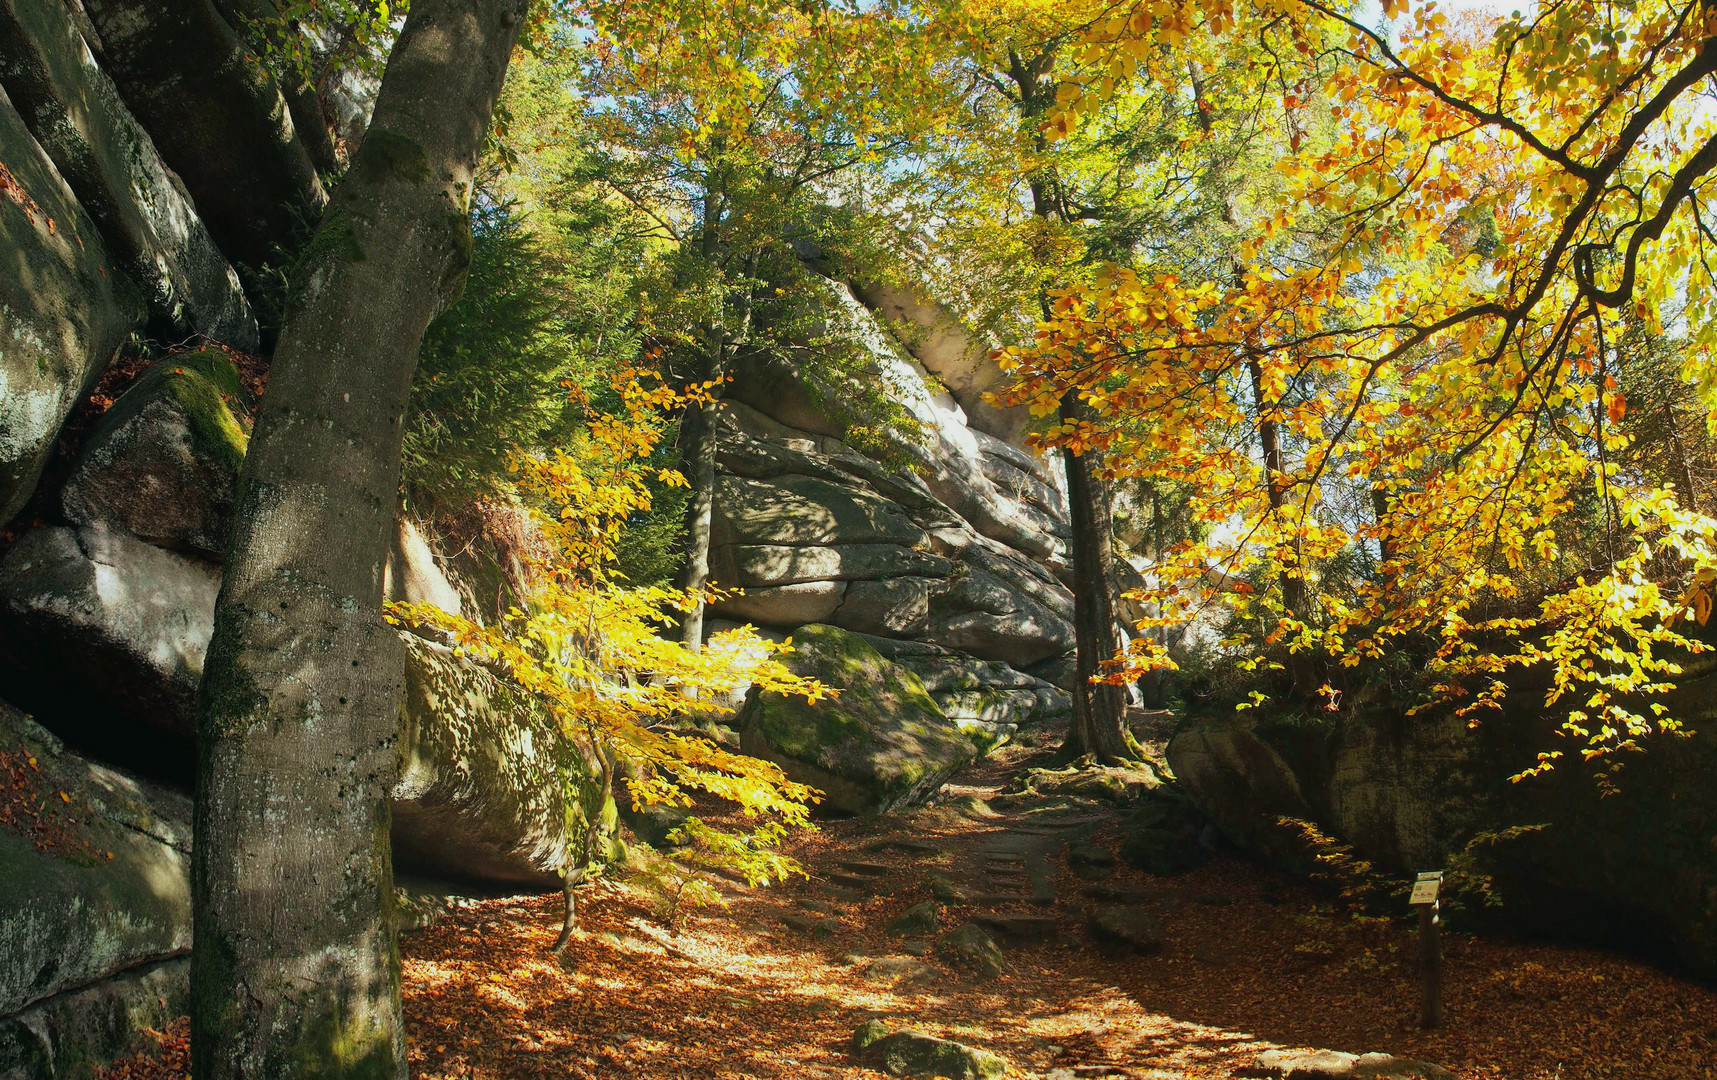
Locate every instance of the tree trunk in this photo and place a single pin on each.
(1099, 710)
(1300, 666)
(697, 464)
(295, 972)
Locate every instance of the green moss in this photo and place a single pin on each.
(882, 743)
(215, 432)
(388, 155)
(871, 689)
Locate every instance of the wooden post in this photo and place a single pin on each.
(1430, 949)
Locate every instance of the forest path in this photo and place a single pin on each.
(774, 985)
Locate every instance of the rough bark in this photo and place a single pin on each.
(294, 969)
(1300, 666)
(697, 463)
(1099, 710)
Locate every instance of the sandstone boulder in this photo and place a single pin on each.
(162, 464)
(1632, 867)
(881, 745)
(484, 779)
(194, 84)
(65, 307)
(142, 210)
(102, 887)
(913, 1053)
(103, 636)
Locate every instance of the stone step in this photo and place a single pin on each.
(868, 869)
(1042, 883)
(920, 847)
(852, 881)
(1020, 928)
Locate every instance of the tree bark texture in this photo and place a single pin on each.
(1300, 665)
(295, 971)
(697, 463)
(1099, 710)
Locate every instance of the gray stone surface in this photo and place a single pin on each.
(784, 605)
(65, 308)
(898, 607)
(69, 1034)
(971, 948)
(913, 1053)
(1133, 927)
(162, 464)
(483, 772)
(142, 210)
(1335, 1065)
(100, 631)
(1410, 792)
(413, 574)
(882, 744)
(915, 921)
(217, 119)
(110, 893)
(806, 510)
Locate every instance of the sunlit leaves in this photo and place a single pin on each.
(1426, 314)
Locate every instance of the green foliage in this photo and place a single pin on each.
(1469, 881)
(494, 369)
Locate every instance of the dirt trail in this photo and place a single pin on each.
(774, 985)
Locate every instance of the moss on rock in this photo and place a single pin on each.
(882, 744)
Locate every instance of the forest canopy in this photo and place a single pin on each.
(1389, 329)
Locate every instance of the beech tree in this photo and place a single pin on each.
(1433, 308)
(294, 968)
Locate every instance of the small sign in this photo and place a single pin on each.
(1425, 889)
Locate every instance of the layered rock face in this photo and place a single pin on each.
(1635, 868)
(925, 583)
(960, 542)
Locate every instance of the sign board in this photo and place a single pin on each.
(1425, 889)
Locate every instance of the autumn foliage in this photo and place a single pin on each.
(1406, 370)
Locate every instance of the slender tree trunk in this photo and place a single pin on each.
(697, 464)
(1099, 710)
(295, 972)
(1293, 584)
(698, 445)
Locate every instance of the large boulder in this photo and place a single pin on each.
(162, 464)
(815, 532)
(987, 699)
(949, 349)
(94, 871)
(103, 636)
(1633, 864)
(110, 162)
(76, 1032)
(1244, 786)
(485, 777)
(65, 307)
(217, 118)
(805, 510)
(913, 1053)
(881, 745)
